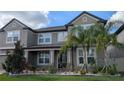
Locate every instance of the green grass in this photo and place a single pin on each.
(5, 77)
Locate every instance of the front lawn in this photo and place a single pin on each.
(5, 77)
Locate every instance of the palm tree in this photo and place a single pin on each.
(104, 38)
(96, 35)
(78, 36)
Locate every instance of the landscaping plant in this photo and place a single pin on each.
(52, 69)
(15, 61)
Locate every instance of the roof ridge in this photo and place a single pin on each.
(27, 27)
(85, 12)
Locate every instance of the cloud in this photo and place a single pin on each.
(117, 19)
(33, 19)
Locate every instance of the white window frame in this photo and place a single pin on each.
(14, 31)
(85, 26)
(63, 37)
(44, 34)
(38, 56)
(77, 53)
(93, 55)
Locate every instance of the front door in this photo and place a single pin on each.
(62, 60)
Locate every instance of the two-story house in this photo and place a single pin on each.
(42, 45)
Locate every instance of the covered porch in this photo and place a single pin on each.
(44, 58)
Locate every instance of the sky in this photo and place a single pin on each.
(40, 19)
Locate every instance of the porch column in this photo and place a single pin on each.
(69, 56)
(52, 56)
(26, 55)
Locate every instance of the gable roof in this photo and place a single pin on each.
(55, 28)
(101, 20)
(119, 30)
(14, 19)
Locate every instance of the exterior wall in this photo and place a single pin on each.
(100, 58)
(2, 60)
(90, 20)
(116, 55)
(33, 59)
(31, 38)
(54, 38)
(13, 26)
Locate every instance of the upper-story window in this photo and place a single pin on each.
(13, 36)
(62, 36)
(86, 26)
(44, 38)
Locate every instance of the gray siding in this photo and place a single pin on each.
(54, 38)
(116, 55)
(90, 20)
(11, 27)
(2, 60)
(31, 38)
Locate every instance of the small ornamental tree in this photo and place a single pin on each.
(15, 61)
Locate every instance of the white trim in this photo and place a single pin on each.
(57, 61)
(3, 54)
(26, 55)
(69, 56)
(7, 47)
(39, 43)
(51, 56)
(42, 49)
(92, 17)
(91, 56)
(87, 18)
(12, 42)
(40, 64)
(63, 37)
(77, 55)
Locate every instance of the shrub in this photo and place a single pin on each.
(15, 62)
(112, 69)
(31, 68)
(82, 72)
(52, 70)
(96, 68)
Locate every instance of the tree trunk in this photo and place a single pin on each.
(105, 61)
(85, 59)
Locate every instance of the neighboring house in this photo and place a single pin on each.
(42, 45)
(116, 55)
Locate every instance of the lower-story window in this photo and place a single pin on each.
(44, 57)
(80, 56)
(90, 56)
